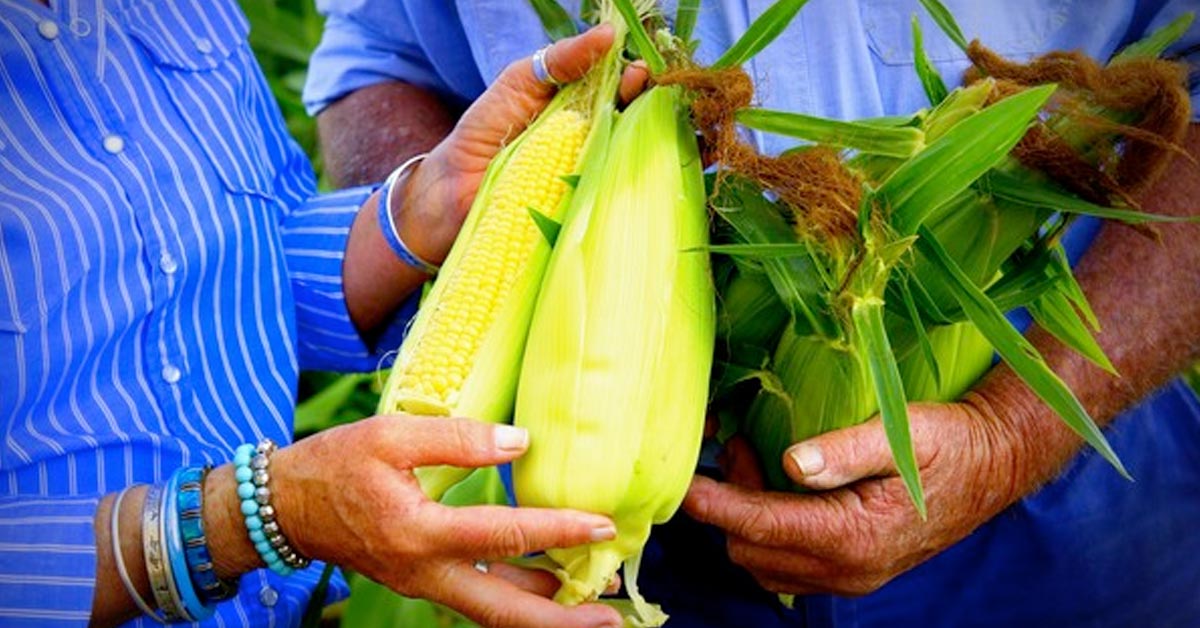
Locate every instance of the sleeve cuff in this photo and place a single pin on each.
(47, 560)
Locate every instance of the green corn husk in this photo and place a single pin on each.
(613, 385)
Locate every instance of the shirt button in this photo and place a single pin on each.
(81, 27)
(171, 374)
(48, 29)
(168, 264)
(204, 45)
(268, 596)
(114, 144)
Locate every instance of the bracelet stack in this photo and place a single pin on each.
(253, 477)
(179, 564)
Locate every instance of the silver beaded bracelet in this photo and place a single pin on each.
(253, 475)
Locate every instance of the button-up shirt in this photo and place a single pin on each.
(165, 270)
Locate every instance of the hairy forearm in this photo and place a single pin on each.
(371, 131)
(1146, 294)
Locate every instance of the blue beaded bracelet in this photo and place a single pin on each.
(387, 223)
(193, 609)
(251, 463)
(190, 508)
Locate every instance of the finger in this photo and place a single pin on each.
(763, 518)
(411, 441)
(500, 532)
(633, 81)
(741, 464)
(840, 457)
(535, 581)
(496, 602)
(566, 60)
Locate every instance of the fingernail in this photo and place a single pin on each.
(808, 459)
(606, 532)
(511, 438)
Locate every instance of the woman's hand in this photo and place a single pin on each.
(440, 191)
(348, 496)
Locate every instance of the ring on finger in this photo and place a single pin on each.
(481, 566)
(541, 71)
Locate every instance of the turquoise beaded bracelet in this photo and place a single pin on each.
(251, 463)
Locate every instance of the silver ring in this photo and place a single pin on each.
(481, 566)
(540, 71)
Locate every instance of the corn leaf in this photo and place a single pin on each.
(1026, 190)
(797, 280)
(1156, 43)
(547, 225)
(758, 251)
(588, 12)
(1020, 355)
(1055, 313)
(893, 141)
(955, 160)
(1071, 288)
(555, 19)
(914, 317)
(762, 32)
(942, 16)
(640, 38)
(931, 81)
(893, 407)
(685, 18)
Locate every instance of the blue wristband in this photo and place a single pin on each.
(387, 223)
(190, 507)
(194, 610)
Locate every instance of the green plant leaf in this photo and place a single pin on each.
(797, 280)
(571, 180)
(893, 141)
(956, 159)
(914, 318)
(316, 603)
(1156, 43)
(640, 38)
(942, 16)
(893, 407)
(555, 19)
(547, 225)
(757, 251)
(1020, 355)
(762, 32)
(931, 81)
(319, 411)
(1055, 313)
(685, 18)
(1024, 189)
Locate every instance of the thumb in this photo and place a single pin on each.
(840, 457)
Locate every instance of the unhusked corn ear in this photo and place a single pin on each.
(614, 381)
(432, 372)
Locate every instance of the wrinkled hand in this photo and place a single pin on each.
(861, 530)
(348, 496)
(442, 188)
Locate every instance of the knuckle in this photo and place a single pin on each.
(510, 539)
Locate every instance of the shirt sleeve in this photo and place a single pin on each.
(47, 560)
(314, 241)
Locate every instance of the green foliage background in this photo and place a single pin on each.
(283, 34)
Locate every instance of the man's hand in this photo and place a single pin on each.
(862, 530)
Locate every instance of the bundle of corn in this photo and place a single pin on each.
(463, 352)
(894, 266)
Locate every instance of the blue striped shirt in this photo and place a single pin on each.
(165, 270)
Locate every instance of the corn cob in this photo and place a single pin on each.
(613, 386)
(461, 356)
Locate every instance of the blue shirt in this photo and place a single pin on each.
(1088, 549)
(165, 270)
